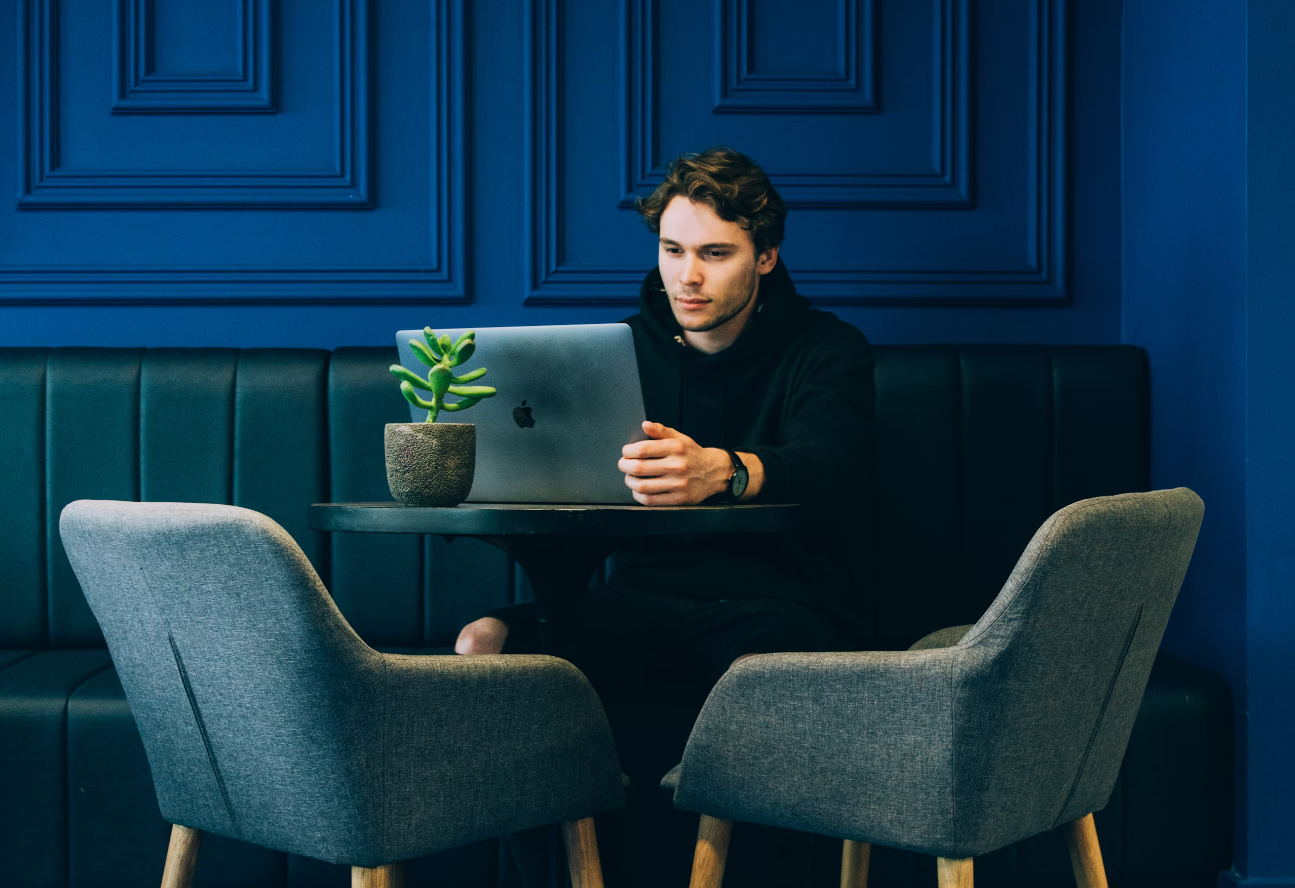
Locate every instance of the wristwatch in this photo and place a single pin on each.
(738, 480)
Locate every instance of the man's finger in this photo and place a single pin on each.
(660, 499)
(651, 468)
(650, 449)
(654, 485)
(657, 430)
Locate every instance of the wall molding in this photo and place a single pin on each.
(46, 184)
(139, 89)
(442, 281)
(947, 183)
(1040, 281)
(742, 90)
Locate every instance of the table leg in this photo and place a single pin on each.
(559, 568)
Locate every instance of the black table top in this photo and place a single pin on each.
(522, 519)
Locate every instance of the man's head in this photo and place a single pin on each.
(720, 223)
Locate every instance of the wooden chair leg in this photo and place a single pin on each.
(954, 873)
(582, 853)
(181, 856)
(854, 864)
(390, 876)
(712, 852)
(1086, 854)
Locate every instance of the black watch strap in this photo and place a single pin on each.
(739, 468)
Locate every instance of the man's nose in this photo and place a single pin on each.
(691, 274)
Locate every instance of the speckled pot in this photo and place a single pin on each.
(431, 463)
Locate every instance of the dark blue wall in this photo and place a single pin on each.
(952, 166)
(1270, 442)
(1209, 235)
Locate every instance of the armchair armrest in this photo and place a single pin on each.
(856, 745)
(480, 746)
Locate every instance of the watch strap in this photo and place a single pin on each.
(738, 467)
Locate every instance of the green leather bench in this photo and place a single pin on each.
(975, 447)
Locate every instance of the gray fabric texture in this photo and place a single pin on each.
(266, 718)
(959, 750)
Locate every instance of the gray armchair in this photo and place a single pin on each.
(976, 738)
(267, 719)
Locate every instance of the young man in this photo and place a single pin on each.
(754, 397)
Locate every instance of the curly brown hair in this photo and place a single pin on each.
(731, 184)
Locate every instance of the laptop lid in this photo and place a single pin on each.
(569, 399)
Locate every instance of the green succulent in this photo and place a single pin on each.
(440, 355)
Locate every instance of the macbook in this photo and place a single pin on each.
(569, 399)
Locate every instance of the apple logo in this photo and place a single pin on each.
(522, 416)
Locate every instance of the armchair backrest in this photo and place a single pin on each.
(1053, 673)
(252, 694)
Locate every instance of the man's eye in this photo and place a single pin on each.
(718, 254)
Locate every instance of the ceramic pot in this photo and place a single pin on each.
(431, 463)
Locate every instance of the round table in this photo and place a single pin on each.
(558, 545)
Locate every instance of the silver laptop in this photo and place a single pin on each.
(569, 399)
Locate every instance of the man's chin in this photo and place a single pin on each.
(697, 325)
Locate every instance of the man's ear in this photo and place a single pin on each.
(764, 262)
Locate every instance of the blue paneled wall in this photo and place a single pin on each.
(300, 172)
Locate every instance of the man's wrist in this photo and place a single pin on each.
(722, 469)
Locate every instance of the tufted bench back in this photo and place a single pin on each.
(975, 447)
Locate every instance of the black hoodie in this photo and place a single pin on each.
(795, 389)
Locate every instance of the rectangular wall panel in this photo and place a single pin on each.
(179, 191)
(981, 227)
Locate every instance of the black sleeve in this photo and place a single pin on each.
(825, 450)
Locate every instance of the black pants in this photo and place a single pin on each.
(646, 654)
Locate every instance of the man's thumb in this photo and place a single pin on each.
(656, 430)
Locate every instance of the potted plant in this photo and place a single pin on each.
(432, 463)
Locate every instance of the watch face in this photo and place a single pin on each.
(738, 484)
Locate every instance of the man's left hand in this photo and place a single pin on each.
(672, 469)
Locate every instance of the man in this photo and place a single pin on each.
(754, 397)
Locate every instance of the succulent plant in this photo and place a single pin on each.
(440, 355)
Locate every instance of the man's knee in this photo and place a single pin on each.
(484, 636)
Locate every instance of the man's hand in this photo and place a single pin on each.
(674, 470)
(483, 636)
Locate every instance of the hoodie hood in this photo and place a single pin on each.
(779, 307)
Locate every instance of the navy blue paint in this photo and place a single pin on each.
(1209, 237)
(171, 57)
(412, 246)
(822, 59)
(1270, 431)
(322, 148)
(73, 155)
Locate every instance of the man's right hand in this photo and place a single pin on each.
(484, 636)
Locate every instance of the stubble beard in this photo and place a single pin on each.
(727, 314)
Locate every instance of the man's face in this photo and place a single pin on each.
(710, 268)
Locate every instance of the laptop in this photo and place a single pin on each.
(569, 399)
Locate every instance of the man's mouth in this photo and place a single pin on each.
(691, 303)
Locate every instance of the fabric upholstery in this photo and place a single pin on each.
(957, 751)
(33, 773)
(267, 719)
(23, 588)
